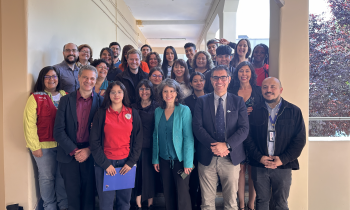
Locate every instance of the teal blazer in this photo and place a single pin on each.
(182, 135)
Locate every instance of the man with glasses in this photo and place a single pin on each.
(220, 123)
(223, 57)
(67, 69)
(115, 47)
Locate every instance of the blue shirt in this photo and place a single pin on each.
(68, 77)
(166, 145)
(272, 113)
(117, 64)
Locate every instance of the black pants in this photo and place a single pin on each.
(176, 189)
(195, 190)
(79, 180)
(273, 183)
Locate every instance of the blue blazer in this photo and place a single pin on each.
(237, 127)
(65, 129)
(182, 135)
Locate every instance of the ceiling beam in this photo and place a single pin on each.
(169, 22)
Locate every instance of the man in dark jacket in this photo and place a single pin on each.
(133, 74)
(72, 129)
(276, 139)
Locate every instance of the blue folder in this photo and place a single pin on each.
(118, 181)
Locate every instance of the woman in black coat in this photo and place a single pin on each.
(146, 176)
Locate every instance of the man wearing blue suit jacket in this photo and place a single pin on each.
(220, 123)
(72, 129)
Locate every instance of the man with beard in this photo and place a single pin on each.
(115, 47)
(276, 139)
(67, 70)
(145, 50)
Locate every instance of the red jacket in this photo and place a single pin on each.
(46, 112)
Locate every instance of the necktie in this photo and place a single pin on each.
(220, 122)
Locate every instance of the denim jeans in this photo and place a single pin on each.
(122, 197)
(51, 184)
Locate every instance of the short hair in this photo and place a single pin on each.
(157, 57)
(133, 51)
(190, 44)
(97, 62)
(209, 64)
(64, 46)
(146, 45)
(155, 69)
(40, 85)
(124, 62)
(87, 67)
(173, 84)
(195, 74)
(223, 50)
(266, 48)
(219, 68)
(212, 41)
(82, 46)
(114, 43)
(235, 60)
(183, 63)
(253, 76)
(147, 84)
(107, 99)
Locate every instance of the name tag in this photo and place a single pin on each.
(272, 135)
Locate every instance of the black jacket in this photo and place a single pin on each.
(126, 79)
(66, 124)
(290, 135)
(256, 93)
(97, 139)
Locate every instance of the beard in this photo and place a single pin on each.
(272, 100)
(69, 61)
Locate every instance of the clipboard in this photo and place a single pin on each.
(118, 181)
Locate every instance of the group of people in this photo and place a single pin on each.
(188, 126)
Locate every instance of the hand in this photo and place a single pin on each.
(156, 167)
(187, 170)
(82, 154)
(220, 149)
(249, 110)
(224, 41)
(275, 163)
(111, 171)
(125, 169)
(265, 160)
(37, 153)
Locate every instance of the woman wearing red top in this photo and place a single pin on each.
(260, 61)
(115, 141)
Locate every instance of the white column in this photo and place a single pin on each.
(227, 20)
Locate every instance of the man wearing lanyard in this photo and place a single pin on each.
(276, 139)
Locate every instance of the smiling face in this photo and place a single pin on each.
(153, 62)
(271, 90)
(116, 50)
(242, 48)
(220, 85)
(190, 51)
(116, 95)
(244, 74)
(145, 93)
(102, 70)
(224, 60)
(84, 54)
(259, 54)
(169, 95)
(106, 56)
(87, 80)
(169, 55)
(212, 49)
(179, 70)
(70, 53)
(50, 81)
(133, 61)
(198, 83)
(201, 61)
(156, 78)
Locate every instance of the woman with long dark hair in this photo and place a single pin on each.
(180, 74)
(107, 55)
(39, 119)
(243, 50)
(169, 56)
(115, 141)
(260, 61)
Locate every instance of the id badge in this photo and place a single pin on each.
(272, 135)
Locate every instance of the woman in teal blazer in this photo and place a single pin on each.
(173, 145)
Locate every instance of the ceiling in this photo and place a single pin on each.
(193, 13)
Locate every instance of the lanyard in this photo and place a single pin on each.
(275, 118)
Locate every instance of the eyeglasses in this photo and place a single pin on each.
(154, 75)
(222, 78)
(144, 89)
(85, 51)
(70, 50)
(104, 68)
(49, 77)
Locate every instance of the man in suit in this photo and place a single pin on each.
(72, 129)
(220, 124)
